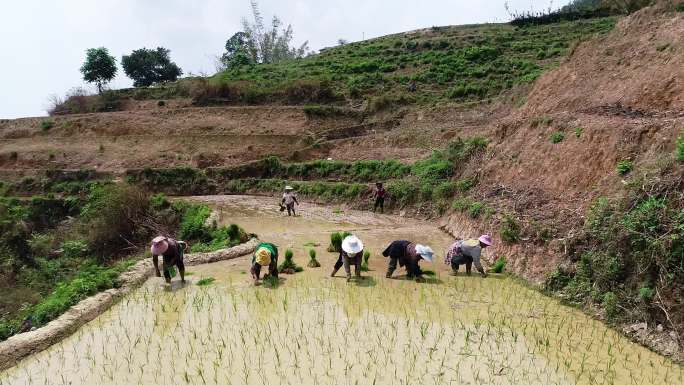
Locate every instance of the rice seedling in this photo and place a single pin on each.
(206, 281)
(366, 257)
(499, 265)
(312, 259)
(289, 266)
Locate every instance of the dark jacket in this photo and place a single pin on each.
(404, 251)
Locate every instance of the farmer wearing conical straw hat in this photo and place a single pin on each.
(289, 200)
(351, 252)
(467, 253)
(266, 254)
(171, 251)
(408, 254)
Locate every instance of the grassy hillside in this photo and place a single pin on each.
(459, 63)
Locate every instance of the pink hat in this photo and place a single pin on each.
(486, 239)
(159, 245)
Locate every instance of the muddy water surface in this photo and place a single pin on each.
(313, 329)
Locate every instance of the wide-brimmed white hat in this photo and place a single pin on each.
(289, 188)
(425, 252)
(352, 245)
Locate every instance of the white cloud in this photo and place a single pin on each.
(43, 42)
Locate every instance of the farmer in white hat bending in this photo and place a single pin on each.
(467, 253)
(407, 254)
(289, 200)
(171, 251)
(350, 254)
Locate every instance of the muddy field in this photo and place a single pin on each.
(313, 329)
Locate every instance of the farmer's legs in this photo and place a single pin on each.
(347, 267)
(181, 268)
(273, 268)
(256, 271)
(357, 266)
(337, 266)
(469, 266)
(413, 270)
(392, 266)
(379, 202)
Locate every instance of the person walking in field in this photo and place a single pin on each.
(351, 253)
(409, 254)
(172, 252)
(289, 200)
(266, 254)
(467, 252)
(379, 195)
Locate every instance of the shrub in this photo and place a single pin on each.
(41, 244)
(510, 229)
(646, 294)
(74, 249)
(499, 265)
(46, 125)
(610, 305)
(680, 145)
(578, 131)
(624, 167)
(557, 137)
(113, 216)
(193, 223)
(90, 280)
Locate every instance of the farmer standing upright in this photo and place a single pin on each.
(408, 254)
(379, 195)
(289, 200)
(467, 253)
(351, 253)
(171, 251)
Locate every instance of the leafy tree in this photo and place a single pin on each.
(237, 51)
(269, 45)
(150, 66)
(99, 67)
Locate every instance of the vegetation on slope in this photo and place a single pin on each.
(55, 252)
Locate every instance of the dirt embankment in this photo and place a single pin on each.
(22, 345)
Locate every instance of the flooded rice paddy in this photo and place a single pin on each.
(313, 329)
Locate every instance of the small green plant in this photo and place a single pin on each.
(510, 229)
(206, 281)
(101, 148)
(557, 137)
(289, 266)
(46, 125)
(578, 132)
(161, 103)
(680, 149)
(366, 257)
(74, 249)
(646, 294)
(624, 167)
(662, 47)
(312, 259)
(499, 265)
(610, 305)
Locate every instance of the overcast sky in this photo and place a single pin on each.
(43, 42)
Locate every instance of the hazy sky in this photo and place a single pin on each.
(43, 42)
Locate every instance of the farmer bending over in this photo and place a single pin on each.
(351, 253)
(379, 196)
(407, 254)
(172, 252)
(466, 253)
(289, 200)
(266, 254)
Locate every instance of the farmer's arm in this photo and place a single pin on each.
(478, 265)
(155, 262)
(295, 199)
